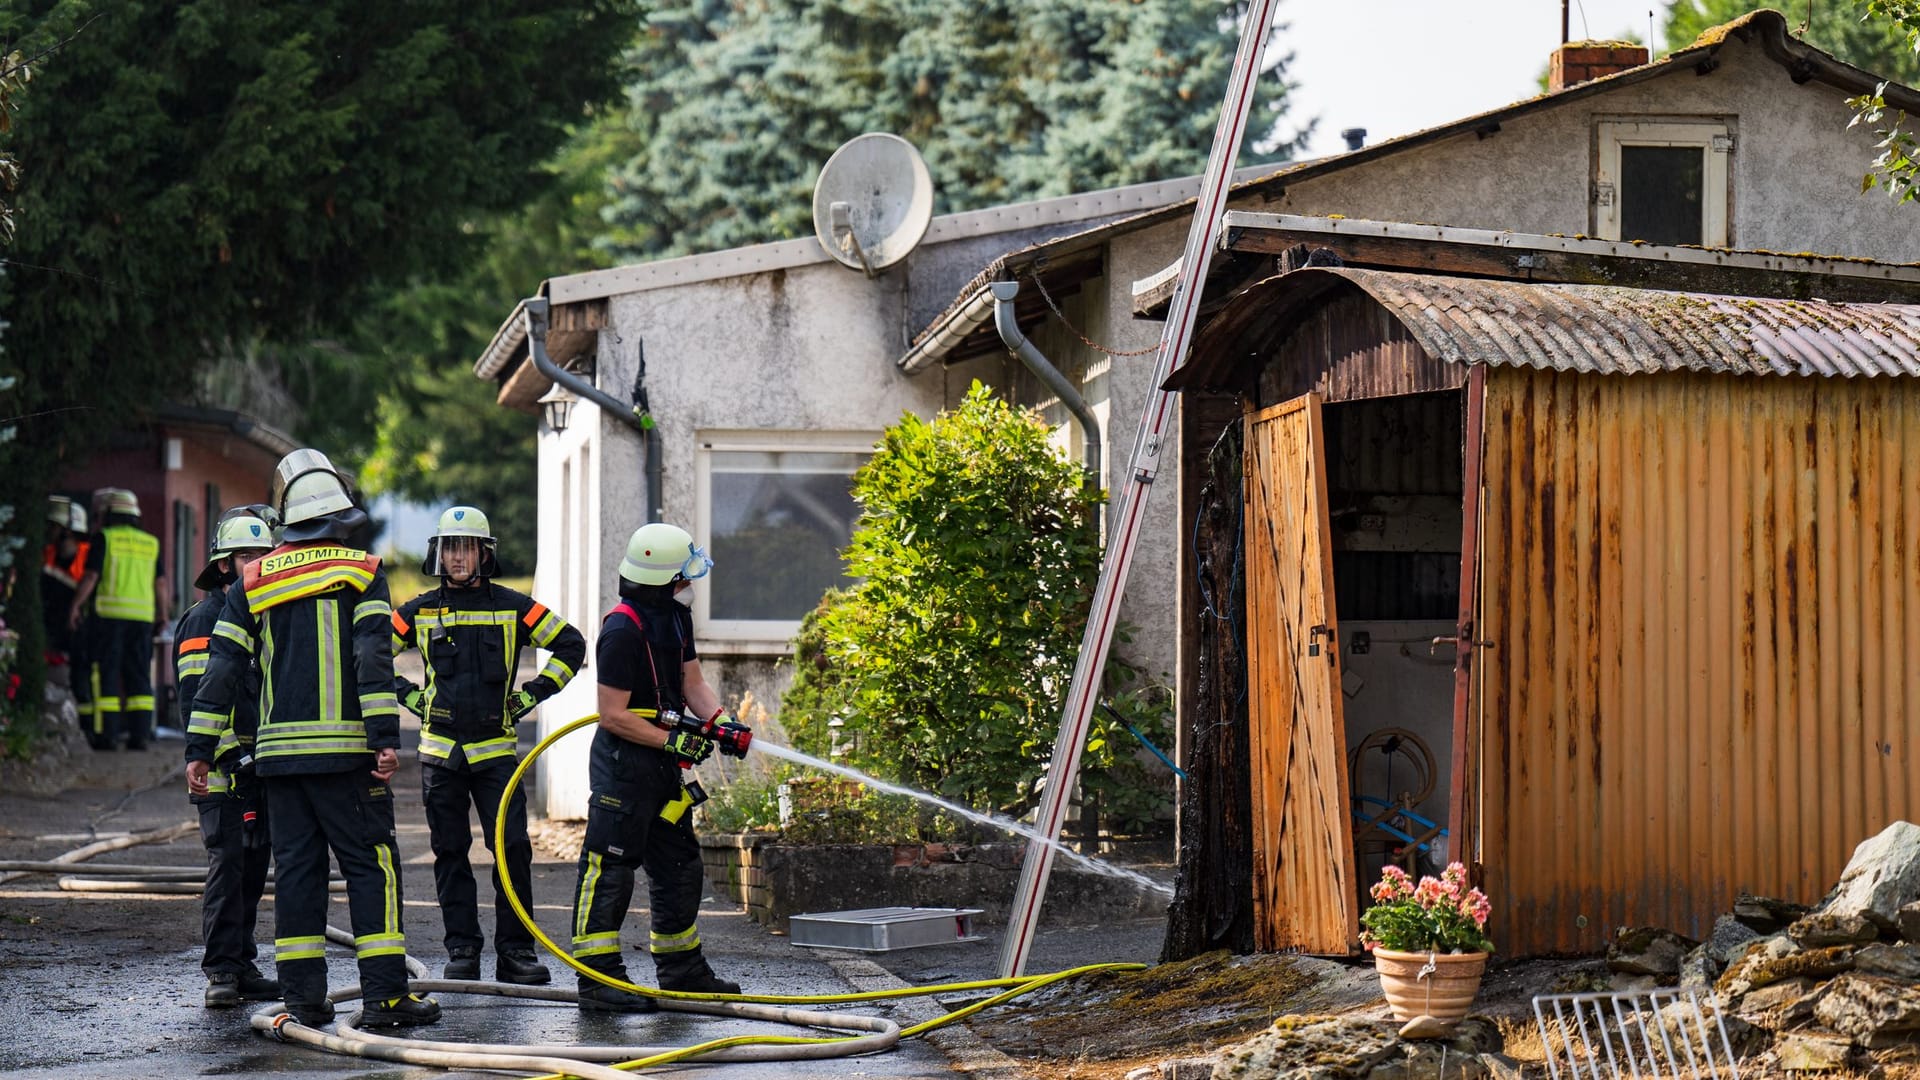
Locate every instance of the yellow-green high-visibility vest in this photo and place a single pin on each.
(126, 574)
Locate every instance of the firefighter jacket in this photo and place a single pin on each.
(315, 617)
(470, 641)
(129, 562)
(226, 742)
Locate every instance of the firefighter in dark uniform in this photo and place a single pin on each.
(316, 613)
(470, 632)
(233, 817)
(124, 582)
(658, 717)
(62, 565)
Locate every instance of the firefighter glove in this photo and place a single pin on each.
(520, 703)
(733, 736)
(689, 748)
(416, 702)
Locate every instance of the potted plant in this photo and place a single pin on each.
(1429, 942)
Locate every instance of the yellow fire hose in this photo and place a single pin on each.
(879, 1033)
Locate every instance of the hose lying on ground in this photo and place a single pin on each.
(82, 854)
(875, 1033)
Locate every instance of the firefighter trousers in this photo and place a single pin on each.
(238, 853)
(626, 831)
(350, 813)
(448, 792)
(123, 705)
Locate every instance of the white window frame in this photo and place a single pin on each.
(753, 636)
(1713, 135)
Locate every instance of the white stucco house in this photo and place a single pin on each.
(771, 368)
(769, 373)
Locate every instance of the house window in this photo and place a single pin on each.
(776, 509)
(1664, 182)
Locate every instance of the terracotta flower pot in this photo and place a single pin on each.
(1445, 994)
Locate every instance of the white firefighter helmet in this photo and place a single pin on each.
(122, 501)
(307, 486)
(458, 522)
(262, 511)
(60, 511)
(234, 534)
(659, 553)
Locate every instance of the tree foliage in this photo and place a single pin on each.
(203, 178)
(736, 106)
(1897, 166)
(948, 662)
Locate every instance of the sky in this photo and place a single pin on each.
(1398, 66)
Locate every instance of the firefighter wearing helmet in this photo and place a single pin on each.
(470, 632)
(328, 739)
(658, 718)
(63, 563)
(123, 579)
(233, 812)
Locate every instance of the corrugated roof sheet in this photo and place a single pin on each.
(1583, 327)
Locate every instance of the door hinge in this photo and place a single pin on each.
(1723, 144)
(1603, 193)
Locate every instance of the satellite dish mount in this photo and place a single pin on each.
(872, 203)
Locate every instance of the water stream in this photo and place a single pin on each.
(995, 821)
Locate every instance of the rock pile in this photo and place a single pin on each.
(1346, 1048)
(1832, 987)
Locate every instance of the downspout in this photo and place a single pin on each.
(1036, 362)
(633, 416)
(656, 468)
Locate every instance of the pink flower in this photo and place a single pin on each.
(1394, 883)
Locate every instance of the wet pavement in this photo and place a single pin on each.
(108, 985)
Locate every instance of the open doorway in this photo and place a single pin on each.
(1394, 484)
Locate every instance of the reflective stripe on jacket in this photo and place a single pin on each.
(127, 570)
(211, 738)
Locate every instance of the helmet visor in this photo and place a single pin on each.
(461, 558)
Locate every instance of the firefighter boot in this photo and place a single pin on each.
(520, 966)
(223, 990)
(226, 989)
(463, 962)
(410, 1010)
(688, 972)
(257, 987)
(311, 1014)
(596, 996)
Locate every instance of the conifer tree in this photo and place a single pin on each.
(738, 105)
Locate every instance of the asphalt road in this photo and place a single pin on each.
(108, 985)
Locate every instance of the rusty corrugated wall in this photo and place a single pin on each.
(1704, 594)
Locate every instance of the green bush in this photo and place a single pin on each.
(835, 812)
(949, 660)
(746, 803)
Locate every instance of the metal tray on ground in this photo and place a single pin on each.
(883, 929)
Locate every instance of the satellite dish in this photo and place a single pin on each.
(872, 202)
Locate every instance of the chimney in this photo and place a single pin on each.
(1583, 61)
(1356, 137)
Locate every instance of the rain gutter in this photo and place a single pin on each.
(935, 346)
(535, 308)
